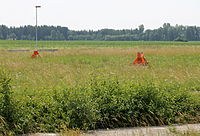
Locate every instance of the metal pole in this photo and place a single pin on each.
(36, 46)
(36, 35)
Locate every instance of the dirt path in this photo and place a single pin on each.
(147, 131)
(141, 131)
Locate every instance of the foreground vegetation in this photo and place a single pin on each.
(102, 103)
(90, 87)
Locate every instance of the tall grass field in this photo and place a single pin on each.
(92, 85)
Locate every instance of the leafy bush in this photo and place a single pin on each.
(123, 104)
(103, 102)
(7, 105)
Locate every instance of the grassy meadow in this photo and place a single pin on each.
(74, 64)
(98, 79)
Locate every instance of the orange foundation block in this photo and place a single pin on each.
(140, 60)
(35, 54)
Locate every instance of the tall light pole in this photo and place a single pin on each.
(36, 35)
(35, 53)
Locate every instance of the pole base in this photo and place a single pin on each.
(35, 54)
(140, 60)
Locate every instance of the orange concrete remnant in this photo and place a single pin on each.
(140, 60)
(35, 54)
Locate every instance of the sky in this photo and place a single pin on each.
(100, 14)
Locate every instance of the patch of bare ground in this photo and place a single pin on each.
(174, 130)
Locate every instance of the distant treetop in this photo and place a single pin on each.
(164, 33)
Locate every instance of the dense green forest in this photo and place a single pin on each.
(164, 33)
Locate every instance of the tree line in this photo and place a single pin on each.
(165, 33)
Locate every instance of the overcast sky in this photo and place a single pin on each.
(99, 14)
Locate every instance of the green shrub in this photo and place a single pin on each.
(7, 105)
(4, 128)
(103, 102)
(78, 107)
(123, 104)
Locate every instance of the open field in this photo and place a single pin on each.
(92, 85)
(65, 44)
(70, 65)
